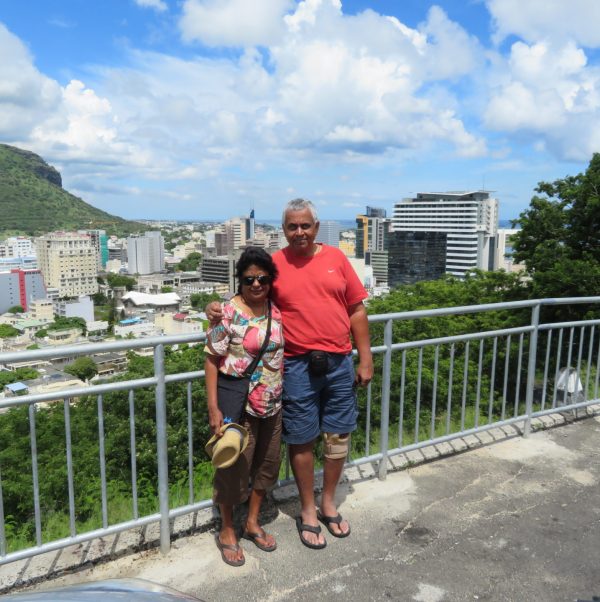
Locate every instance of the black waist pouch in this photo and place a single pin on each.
(318, 362)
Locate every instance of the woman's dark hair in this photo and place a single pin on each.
(258, 257)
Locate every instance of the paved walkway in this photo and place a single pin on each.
(512, 520)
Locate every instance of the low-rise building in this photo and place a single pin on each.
(41, 309)
(66, 336)
(135, 328)
(29, 326)
(82, 307)
(109, 364)
(134, 301)
(96, 327)
(49, 381)
(178, 323)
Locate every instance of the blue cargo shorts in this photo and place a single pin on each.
(314, 405)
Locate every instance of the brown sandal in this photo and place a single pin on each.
(231, 548)
(254, 537)
(336, 520)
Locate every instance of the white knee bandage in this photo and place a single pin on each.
(335, 446)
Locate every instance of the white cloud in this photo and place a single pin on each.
(157, 5)
(548, 92)
(328, 87)
(451, 51)
(233, 22)
(82, 125)
(26, 95)
(536, 20)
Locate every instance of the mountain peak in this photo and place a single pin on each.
(33, 201)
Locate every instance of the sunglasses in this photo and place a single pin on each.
(262, 279)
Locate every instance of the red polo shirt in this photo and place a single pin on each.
(313, 295)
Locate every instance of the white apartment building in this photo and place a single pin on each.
(504, 251)
(68, 262)
(146, 254)
(83, 307)
(17, 246)
(469, 220)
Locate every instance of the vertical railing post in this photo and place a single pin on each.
(161, 448)
(385, 399)
(533, 339)
(3, 546)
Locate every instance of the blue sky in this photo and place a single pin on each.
(202, 109)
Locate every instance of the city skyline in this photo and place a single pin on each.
(200, 109)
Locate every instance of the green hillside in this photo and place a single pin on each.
(33, 201)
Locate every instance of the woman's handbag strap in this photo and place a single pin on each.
(252, 367)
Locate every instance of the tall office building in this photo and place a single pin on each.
(249, 221)
(68, 262)
(416, 256)
(329, 233)
(379, 263)
(235, 229)
(20, 287)
(469, 220)
(220, 245)
(146, 254)
(220, 269)
(100, 242)
(372, 230)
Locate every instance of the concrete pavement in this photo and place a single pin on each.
(511, 519)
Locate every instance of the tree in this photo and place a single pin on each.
(6, 331)
(61, 323)
(559, 239)
(190, 263)
(83, 368)
(99, 299)
(200, 300)
(115, 280)
(166, 289)
(16, 309)
(7, 376)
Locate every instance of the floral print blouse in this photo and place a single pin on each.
(237, 339)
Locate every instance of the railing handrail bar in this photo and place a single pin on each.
(128, 344)
(578, 323)
(126, 385)
(94, 348)
(444, 311)
(471, 336)
(118, 385)
(466, 309)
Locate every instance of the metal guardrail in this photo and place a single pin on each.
(514, 377)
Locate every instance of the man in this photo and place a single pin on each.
(321, 302)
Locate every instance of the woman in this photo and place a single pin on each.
(231, 346)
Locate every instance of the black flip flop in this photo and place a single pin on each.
(232, 548)
(316, 530)
(254, 537)
(336, 520)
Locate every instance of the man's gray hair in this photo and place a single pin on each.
(299, 205)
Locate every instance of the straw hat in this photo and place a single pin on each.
(225, 450)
